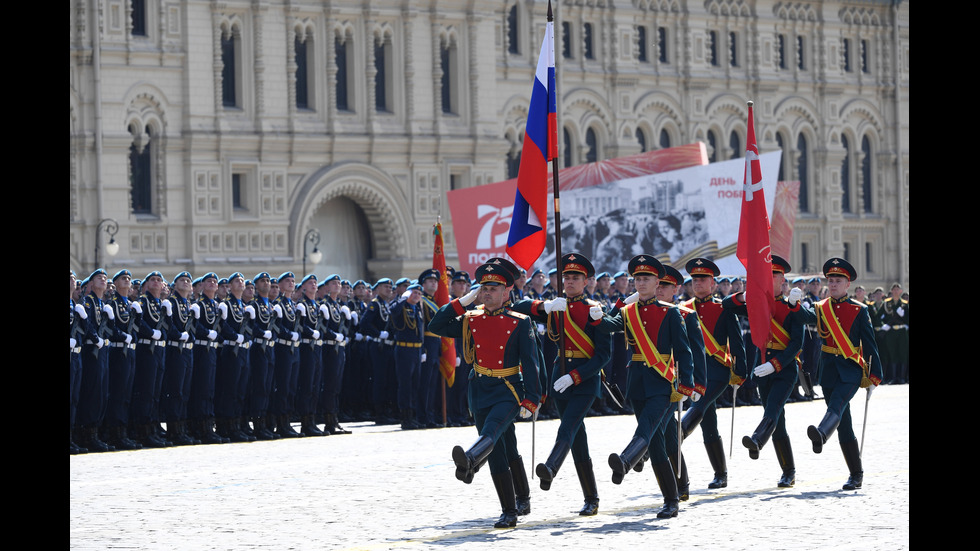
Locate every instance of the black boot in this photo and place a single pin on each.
(260, 430)
(122, 441)
(692, 418)
(408, 420)
(73, 448)
(285, 429)
(470, 461)
(784, 453)
(639, 464)
(852, 456)
(586, 476)
(208, 436)
(333, 423)
(820, 434)
(522, 490)
(683, 482)
(668, 487)
(504, 483)
(92, 441)
(759, 438)
(716, 456)
(549, 469)
(308, 427)
(622, 463)
(148, 436)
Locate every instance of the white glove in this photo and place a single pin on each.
(324, 310)
(108, 311)
(240, 338)
(695, 396)
(555, 305)
(468, 298)
(301, 308)
(635, 297)
(764, 369)
(72, 343)
(355, 316)
(278, 310)
(129, 338)
(80, 310)
(267, 334)
(900, 311)
(294, 336)
(223, 308)
(525, 413)
(383, 335)
(316, 334)
(563, 383)
(423, 357)
(885, 327)
(168, 307)
(595, 312)
(99, 343)
(358, 336)
(137, 307)
(406, 294)
(157, 335)
(212, 334)
(338, 337)
(250, 310)
(541, 329)
(458, 361)
(345, 310)
(871, 389)
(196, 310)
(184, 335)
(795, 295)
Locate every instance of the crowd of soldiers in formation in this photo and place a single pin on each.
(225, 359)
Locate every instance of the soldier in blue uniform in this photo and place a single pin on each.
(777, 376)
(77, 329)
(94, 380)
(407, 327)
(577, 372)
(374, 327)
(286, 377)
(231, 376)
(150, 354)
(847, 340)
(261, 357)
(656, 332)
(200, 404)
(310, 356)
(503, 383)
(179, 362)
(724, 363)
(337, 317)
(429, 410)
(122, 364)
(456, 408)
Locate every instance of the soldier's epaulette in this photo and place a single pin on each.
(517, 315)
(478, 311)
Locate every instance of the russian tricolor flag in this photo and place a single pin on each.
(527, 227)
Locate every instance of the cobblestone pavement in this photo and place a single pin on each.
(381, 488)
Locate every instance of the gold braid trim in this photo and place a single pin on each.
(469, 353)
(552, 330)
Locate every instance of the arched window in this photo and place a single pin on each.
(303, 51)
(712, 147)
(566, 150)
(845, 175)
(449, 87)
(512, 31)
(231, 86)
(141, 170)
(782, 165)
(866, 181)
(591, 142)
(802, 162)
(664, 138)
(383, 79)
(735, 143)
(641, 139)
(343, 57)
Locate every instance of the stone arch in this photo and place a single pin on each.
(657, 111)
(374, 191)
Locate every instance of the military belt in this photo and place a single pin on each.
(639, 357)
(408, 344)
(775, 346)
(506, 372)
(152, 342)
(899, 326)
(262, 341)
(831, 350)
(209, 344)
(181, 344)
(314, 342)
(76, 350)
(573, 354)
(287, 342)
(243, 346)
(332, 343)
(131, 345)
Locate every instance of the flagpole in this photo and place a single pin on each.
(557, 194)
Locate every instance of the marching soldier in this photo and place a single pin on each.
(847, 337)
(504, 381)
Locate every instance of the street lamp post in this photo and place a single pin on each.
(311, 237)
(110, 227)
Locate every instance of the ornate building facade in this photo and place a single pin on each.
(217, 134)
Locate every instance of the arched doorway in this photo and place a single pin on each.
(345, 239)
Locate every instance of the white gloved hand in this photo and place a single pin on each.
(635, 297)
(157, 335)
(795, 295)
(80, 310)
(695, 396)
(223, 308)
(301, 308)
(316, 334)
(525, 413)
(405, 295)
(563, 383)
(885, 327)
(294, 336)
(555, 305)
(871, 389)
(72, 343)
(424, 356)
(278, 310)
(383, 335)
(196, 310)
(356, 317)
(468, 298)
(541, 329)
(108, 311)
(168, 307)
(764, 369)
(345, 310)
(212, 334)
(900, 311)
(184, 335)
(250, 310)
(267, 335)
(99, 343)
(358, 337)
(240, 338)
(137, 307)
(458, 361)
(338, 337)
(595, 312)
(324, 310)
(129, 338)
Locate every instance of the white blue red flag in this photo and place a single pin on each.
(754, 249)
(529, 220)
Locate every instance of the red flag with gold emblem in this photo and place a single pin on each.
(754, 249)
(447, 349)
